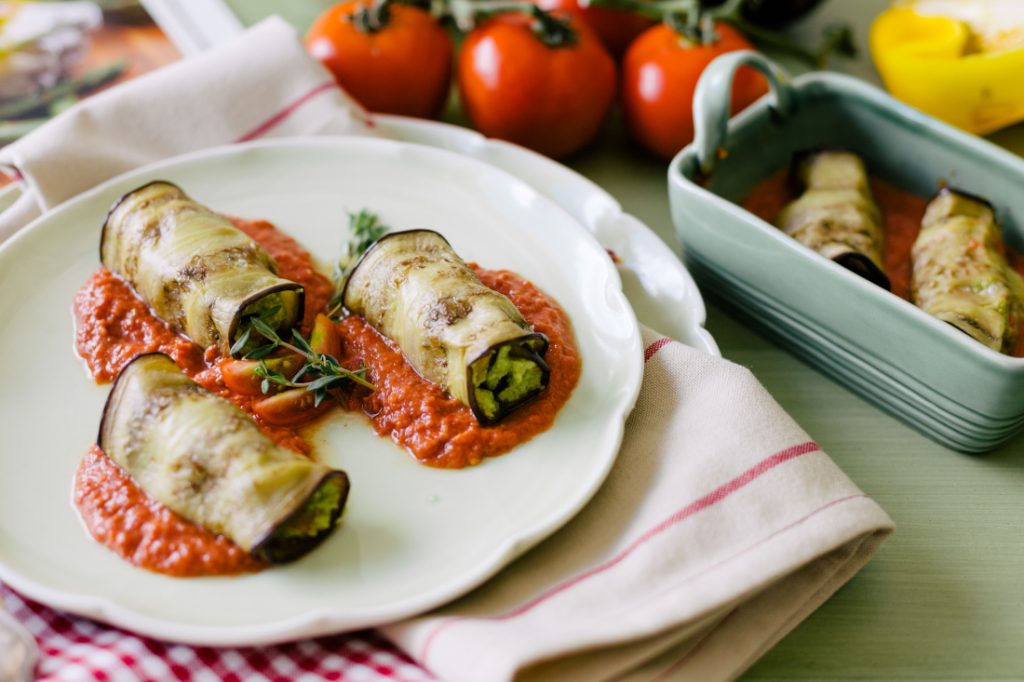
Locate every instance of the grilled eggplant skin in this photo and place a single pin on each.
(203, 458)
(960, 275)
(196, 270)
(457, 333)
(836, 214)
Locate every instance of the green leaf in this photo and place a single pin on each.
(323, 382)
(365, 228)
(261, 352)
(303, 344)
(242, 341)
(265, 329)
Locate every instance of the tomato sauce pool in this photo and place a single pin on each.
(902, 212)
(439, 430)
(112, 326)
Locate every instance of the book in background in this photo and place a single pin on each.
(53, 54)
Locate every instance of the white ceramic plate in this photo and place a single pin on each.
(412, 537)
(657, 284)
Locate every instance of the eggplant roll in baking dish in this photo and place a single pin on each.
(960, 274)
(203, 458)
(468, 339)
(196, 270)
(836, 214)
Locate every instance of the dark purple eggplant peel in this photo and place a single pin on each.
(836, 214)
(457, 333)
(198, 272)
(202, 457)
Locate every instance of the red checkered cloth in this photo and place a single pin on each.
(73, 648)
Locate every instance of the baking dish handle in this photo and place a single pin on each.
(712, 100)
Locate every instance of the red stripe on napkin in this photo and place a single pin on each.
(286, 112)
(655, 347)
(709, 500)
(664, 674)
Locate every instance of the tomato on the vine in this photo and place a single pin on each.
(615, 27)
(659, 76)
(541, 81)
(391, 58)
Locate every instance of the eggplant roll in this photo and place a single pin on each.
(205, 459)
(468, 339)
(194, 269)
(960, 274)
(836, 214)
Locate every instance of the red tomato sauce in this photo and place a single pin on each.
(902, 212)
(123, 518)
(439, 430)
(112, 326)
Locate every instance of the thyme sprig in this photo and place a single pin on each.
(323, 371)
(242, 342)
(364, 229)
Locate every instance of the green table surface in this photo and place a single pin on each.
(944, 597)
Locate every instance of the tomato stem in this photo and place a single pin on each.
(553, 31)
(695, 24)
(372, 18)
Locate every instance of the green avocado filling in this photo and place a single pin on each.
(271, 309)
(500, 380)
(313, 518)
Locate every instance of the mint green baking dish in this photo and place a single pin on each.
(922, 371)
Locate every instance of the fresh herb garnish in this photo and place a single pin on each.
(323, 371)
(242, 342)
(364, 229)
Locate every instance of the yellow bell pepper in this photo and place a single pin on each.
(931, 62)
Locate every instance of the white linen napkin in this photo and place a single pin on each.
(721, 526)
(260, 85)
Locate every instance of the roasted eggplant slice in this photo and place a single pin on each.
(203, 458)
(466, 338)
(836, 214)
(196, 270)
(960, 274)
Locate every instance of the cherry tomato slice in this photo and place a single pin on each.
(290, 408)
(325, 337)
(240, 375)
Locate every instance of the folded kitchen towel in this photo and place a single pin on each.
(720, 528)
(260, 85)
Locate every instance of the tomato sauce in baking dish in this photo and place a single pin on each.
(902, 212)
(113, 326)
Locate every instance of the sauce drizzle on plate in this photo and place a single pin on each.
(113, 326)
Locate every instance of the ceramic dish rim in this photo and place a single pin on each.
(322, 621)
(905, 114)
